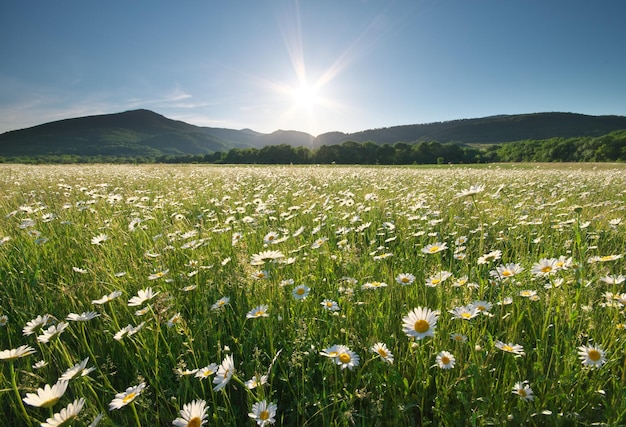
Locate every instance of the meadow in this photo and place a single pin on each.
(312, 296)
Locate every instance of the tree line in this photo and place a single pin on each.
(606, 148)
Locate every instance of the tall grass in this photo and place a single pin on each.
(73, 234)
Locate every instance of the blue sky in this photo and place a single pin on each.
(311, 65)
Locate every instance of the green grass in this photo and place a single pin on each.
(370, 224)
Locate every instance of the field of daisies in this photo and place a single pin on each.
(312, 296)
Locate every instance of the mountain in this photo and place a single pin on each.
(146, 133)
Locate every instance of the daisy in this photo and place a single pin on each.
(374, 285)
(490, 257)
(270, 237)
(300, 292)
(346, 358)
(591, 356)
(473, 190)
(438, 278)
(126, 397)
(483, 306)
(405, 279)
(220, 303)
(83, 317)
(458, 337)
(37, 323)
(97, 240)
(207, 371)
(504, 271)
(158, 274)
(263, 413)
(142, 296)
(445, 360)
(330, 305)
(516, 349)
(420, 323)
(544, 267)
(523, 390)
(261, 257)
(52, 332)
(260, 275)
(193, 414)
(224, 373)
(254, 382)
(381, 349)
(107, 298)
(16, 353)
(67, 414)
(333, 351)
(79, 368)
(47, 396)
(464, 312)
(258, 311)
(613, 280)
(434, 248)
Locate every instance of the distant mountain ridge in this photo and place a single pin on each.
(146, 133)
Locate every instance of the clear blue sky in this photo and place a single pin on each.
(365, 63)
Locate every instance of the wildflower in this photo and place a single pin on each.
(97, 240)
(142, 296)
(52, 332)
(346, 358)
(79, 368)
(260, 275)
(224, 373)
(591, 356)
(40, 364)
(434, 248)
(107, 298)
(126, 397)
(544, 267)
(516, 349)
(330, 305)
(333, 351)
(193, 414)
(300, 292)
(270, 237)
(83, 317)
(319, 242)
(483, 306)
(255, 381)
(473, 190)
(464, 312)
(158, 275)
(445, 360)
(528, 293)
(236, 238)
(506, 271)
(207, 371)
(128, 330)
(67, 414)
(33, 325)
(220, 303)
(490, 257)
(405, 279)
(458, 337)
(420, 323)
(374, 285)
(174, 320)
(438, 278)
(523, 390)
(263, 413)
(47, 396)
(258, 311)
(79, 270)
(16, 353)
(381, 349)
(613, 280)
(261, 257)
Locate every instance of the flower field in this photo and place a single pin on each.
(312, 296)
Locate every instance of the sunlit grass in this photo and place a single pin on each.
(249, 287)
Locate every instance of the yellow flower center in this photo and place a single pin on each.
(129, 397)
(507, 347)
(481, 308)
(434, 249)
(435, 281)
(445, 360)
(49, 403)
(405, 280)
(546, 269)
(382, 353)
(300, 291)
(594, 355)
(507, 273)
(466, 315)
(264, 415)
(521, 392)
(194, 422)
(421, 326)
(344, 358)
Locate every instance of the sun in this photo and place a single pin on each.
(306, 96)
